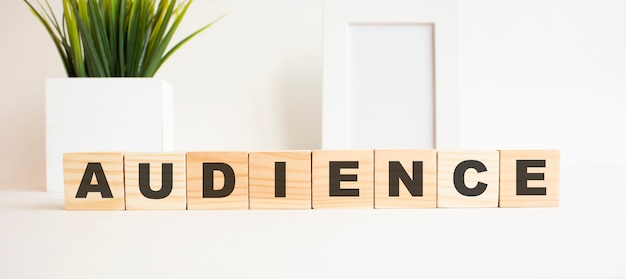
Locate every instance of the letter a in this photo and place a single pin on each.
(101, 186)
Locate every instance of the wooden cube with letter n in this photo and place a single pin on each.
(343, 179)
(405, 178)
(467, 178)
(529, 178)
(94, 181)
(155, 181)
(280, 180)
(217, 180)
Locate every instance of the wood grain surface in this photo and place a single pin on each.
(177, 199)
(74, 166)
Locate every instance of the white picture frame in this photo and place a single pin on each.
(340, 14)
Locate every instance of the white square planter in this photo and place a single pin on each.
(105, 114)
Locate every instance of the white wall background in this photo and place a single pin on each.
(534, 74)
(253, 82)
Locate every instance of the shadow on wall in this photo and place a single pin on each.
(301, 105)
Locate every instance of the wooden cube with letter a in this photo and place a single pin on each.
(343, 179)
(405, 178)
(155, 181)
(467, 178)
(94, 181)
(217, 180)
(280, 180)
(529, 178)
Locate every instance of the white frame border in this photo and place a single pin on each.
(442, 14)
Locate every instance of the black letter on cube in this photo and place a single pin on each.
(280, 173)
(397, 173)
(459, 178)
(85, 184)
(335, 178)
(523, 176)
(167, 177)
(208, 187)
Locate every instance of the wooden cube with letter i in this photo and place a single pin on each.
(280, 180)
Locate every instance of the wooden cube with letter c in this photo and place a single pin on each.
(343, 179)
(155, 181)
(467, 178)
(94, 181)
(529, 178)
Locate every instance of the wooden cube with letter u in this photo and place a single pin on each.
(343, 179)
(155, 181)
(94, 181)
(467, 178)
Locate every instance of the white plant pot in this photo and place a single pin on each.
(105, 114)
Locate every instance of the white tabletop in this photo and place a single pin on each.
(583, 238)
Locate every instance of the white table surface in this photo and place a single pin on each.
(584, 238)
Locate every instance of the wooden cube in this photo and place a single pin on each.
(280, 180)
(529, 178)
(155, 181)
(217, 180)
(467, 178)
(343, 179)
(405, 178)
(94, 181)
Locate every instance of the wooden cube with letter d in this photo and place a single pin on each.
(94, 181)
(217, 180)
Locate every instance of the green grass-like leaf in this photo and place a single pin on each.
(114, 38)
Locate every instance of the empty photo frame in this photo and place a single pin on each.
(390, 74)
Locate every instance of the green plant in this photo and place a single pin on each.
(115, 38)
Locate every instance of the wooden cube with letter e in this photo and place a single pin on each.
(343, 179)
(467, 178)
(217, 180)
(94, 181)
(280, 180)
(405, 178)
(529, 178)
(155, 181)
